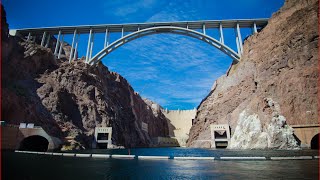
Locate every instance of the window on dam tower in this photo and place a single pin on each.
(103, 136)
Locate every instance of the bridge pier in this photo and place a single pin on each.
(255, 27)
(239, 39)
(43, 38)
(221, 33)
(122, 32)
(57, 44)
(88, 47)
(29, 36)
(72, 45)
(76, 48)
(106, 38)
(61, 46)
(238, 47)
(91, 46)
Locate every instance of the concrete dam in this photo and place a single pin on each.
(180, 122)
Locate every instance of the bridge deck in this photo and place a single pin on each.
(244, 23)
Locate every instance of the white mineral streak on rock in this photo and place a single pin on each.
(250, 134)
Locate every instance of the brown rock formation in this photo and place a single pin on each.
(70, 100)
(66, 48)
(81, 97)
(4, 25)
(281, 63)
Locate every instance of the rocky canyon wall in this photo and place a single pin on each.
(272, 87)
(70, 100)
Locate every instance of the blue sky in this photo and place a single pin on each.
(175, 71)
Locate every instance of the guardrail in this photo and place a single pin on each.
(121, 156)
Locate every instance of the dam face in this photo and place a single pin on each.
(180, 122)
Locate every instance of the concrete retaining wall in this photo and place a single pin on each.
(305, 133)
(9, 137)
(12, 137)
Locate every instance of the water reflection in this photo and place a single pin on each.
(32, 166)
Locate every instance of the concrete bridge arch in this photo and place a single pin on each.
(195, 29)
(165, 29)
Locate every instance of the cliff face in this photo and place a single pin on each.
(81, 97)
(279, 65)
(4, 25)
(70, 100)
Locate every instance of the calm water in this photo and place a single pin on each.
(30, 166)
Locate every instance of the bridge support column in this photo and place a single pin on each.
(57, 44)
(76, 48)
(91, 46)
(47, 42)
(221, 34)
(61, 44)
(43, 38)
(204, 29)
(255, 27)
(238, 48)
(72, 45)
(106, 38)
(88, 47)
(29, 36)
(239, 38)
(122, 32)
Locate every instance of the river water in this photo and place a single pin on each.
(20, 166)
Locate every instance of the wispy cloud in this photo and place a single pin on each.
(128, 9)
(177, 11)
(174, 70)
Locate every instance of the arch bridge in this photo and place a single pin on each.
(129, 32)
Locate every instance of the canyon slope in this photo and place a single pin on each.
(272, 87)
(68, 100)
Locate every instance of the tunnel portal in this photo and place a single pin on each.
(34, 143)
(315, 142)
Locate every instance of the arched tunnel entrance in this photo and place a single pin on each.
(34, 143)
(315, 142)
